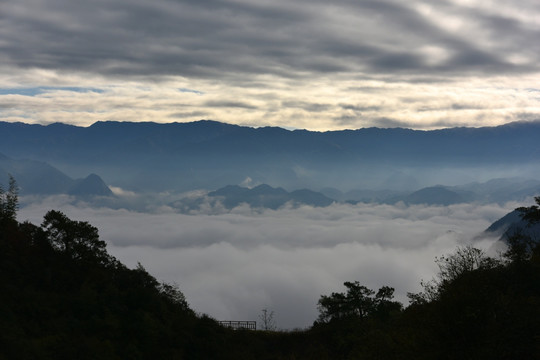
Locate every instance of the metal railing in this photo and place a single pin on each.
(237, 325)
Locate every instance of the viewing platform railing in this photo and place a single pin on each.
(237, 325)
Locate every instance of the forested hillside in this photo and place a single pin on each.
(64, 297)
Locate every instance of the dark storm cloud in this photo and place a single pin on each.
(311, 107)
(223, 38)
(359, 107)
(189, 114)
(230, 104)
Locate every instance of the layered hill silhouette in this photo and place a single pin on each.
(41, 178)
(209, 154)
(265, 196)
(262, 196)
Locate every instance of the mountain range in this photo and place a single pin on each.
(208, 154)
(40, 178)
(266, 196)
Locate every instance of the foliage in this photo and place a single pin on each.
(9, 201)
(77, 239)
(357, 301)
(520, 247)
(63, 296)
(531, 213)
(451, 267)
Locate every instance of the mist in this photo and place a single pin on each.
(233, 264)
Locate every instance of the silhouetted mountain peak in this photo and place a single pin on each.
(434, 195)
(91, 185)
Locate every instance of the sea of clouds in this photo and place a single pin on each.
(233, 264)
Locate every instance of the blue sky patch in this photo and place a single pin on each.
(186, 90)
(33, 91)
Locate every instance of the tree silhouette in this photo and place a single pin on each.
(77, 239)
(9, 201)
(357, 301)
(267, 320)
(531, 213)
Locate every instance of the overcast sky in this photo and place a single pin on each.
(233, 265)
(314, 64)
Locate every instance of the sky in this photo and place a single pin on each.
(234, 264)
(315, 65)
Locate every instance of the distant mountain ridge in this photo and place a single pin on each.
(260, 197)
(493, 191)
(511, 139)
(265, 196)
(209, 154)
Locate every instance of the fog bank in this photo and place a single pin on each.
(233, 265)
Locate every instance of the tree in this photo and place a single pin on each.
(173, 294)
(531, 213)
(77, 239)
(9, 201)
(464, 260)
(267, 320)
(521, 246)
(357, 301)
(384, 303)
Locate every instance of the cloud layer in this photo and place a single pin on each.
(235, 264)
(306, 64)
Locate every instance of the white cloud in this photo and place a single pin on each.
(233, 265)
(118, 191)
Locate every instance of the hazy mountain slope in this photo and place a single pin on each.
(502, 190)
(39, 178)
(512, 224)
(34, 177)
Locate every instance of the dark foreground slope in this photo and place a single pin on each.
(63, 296)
